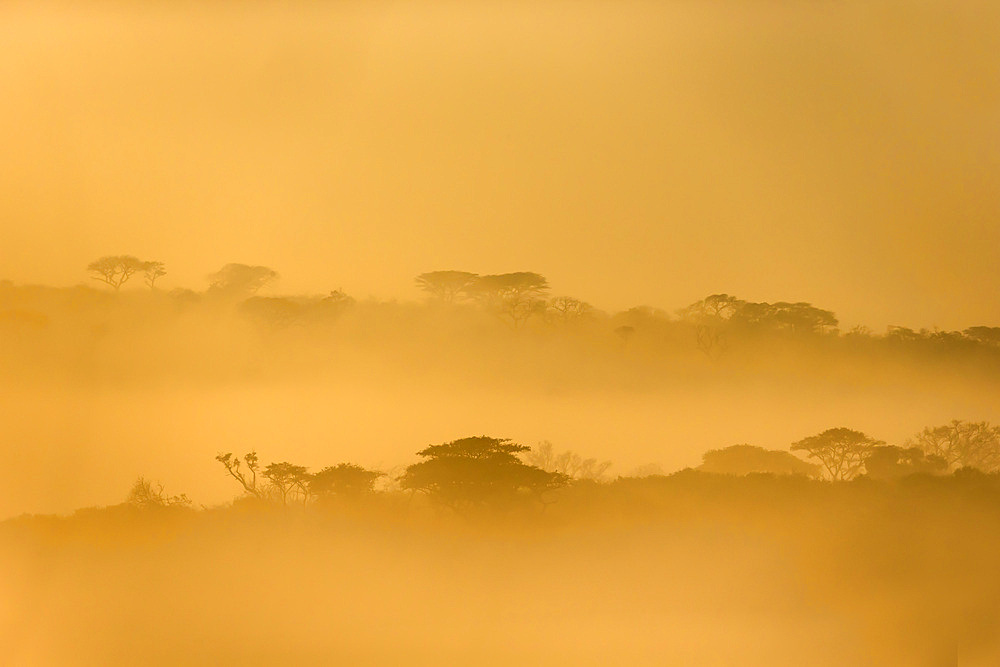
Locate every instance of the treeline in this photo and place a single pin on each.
(486, 473)
(714, 325)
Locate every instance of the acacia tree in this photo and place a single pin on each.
(566, 309)
(343, 480)
(709, 318)
(446, 286)
(797, 318)
(241, 279)
(746, 459)
(287, 481)
(514, 297)
(153, 271)
(115, 270)
(478, 472)
(841, 451)
(962, 444)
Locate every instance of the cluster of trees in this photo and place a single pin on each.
(463, 474)
(116, 270)
(234, 279)
(485, 472)
(717, 321)
(718, 317)
(514, 297)
(285, 483)
(844, 454)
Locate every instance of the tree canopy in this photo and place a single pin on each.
(746, 459)
(241, 279)
(115, 270)
(478, 472)
(841, 451)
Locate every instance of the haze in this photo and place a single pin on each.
(638, 153)
(475, 333)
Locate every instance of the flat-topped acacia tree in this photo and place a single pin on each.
(479, 472)
(115, 270)
(841, 451)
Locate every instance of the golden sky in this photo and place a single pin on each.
(843, 153)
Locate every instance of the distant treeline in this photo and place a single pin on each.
(519, 300)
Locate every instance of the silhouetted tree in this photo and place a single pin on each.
(841, 451)
(241, 279)
(962, 444)
(513, 296)
(115, 270)
(244, 472)
(344, 480)
(985, 335)
(799, 318)
(746, 459)
(713, 309)
(288, 480)
(447, 286)
(153, 271)
(146, 494)
(478, 472)
(709, 317)
(566, 309)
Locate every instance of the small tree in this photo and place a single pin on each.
(115, 270)
(566, 309)
(153, 271)
(244, 472)
(841, 451)
(146, 495)
(478, 472)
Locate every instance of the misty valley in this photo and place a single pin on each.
(241, 450)
(499, 333)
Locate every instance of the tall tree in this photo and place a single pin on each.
(447, 286)
(245, 472)
(153, 271)
(841, 451)
(513, 296)
(288, 480)
(115, 270)
(240, 280)
(478, 472)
